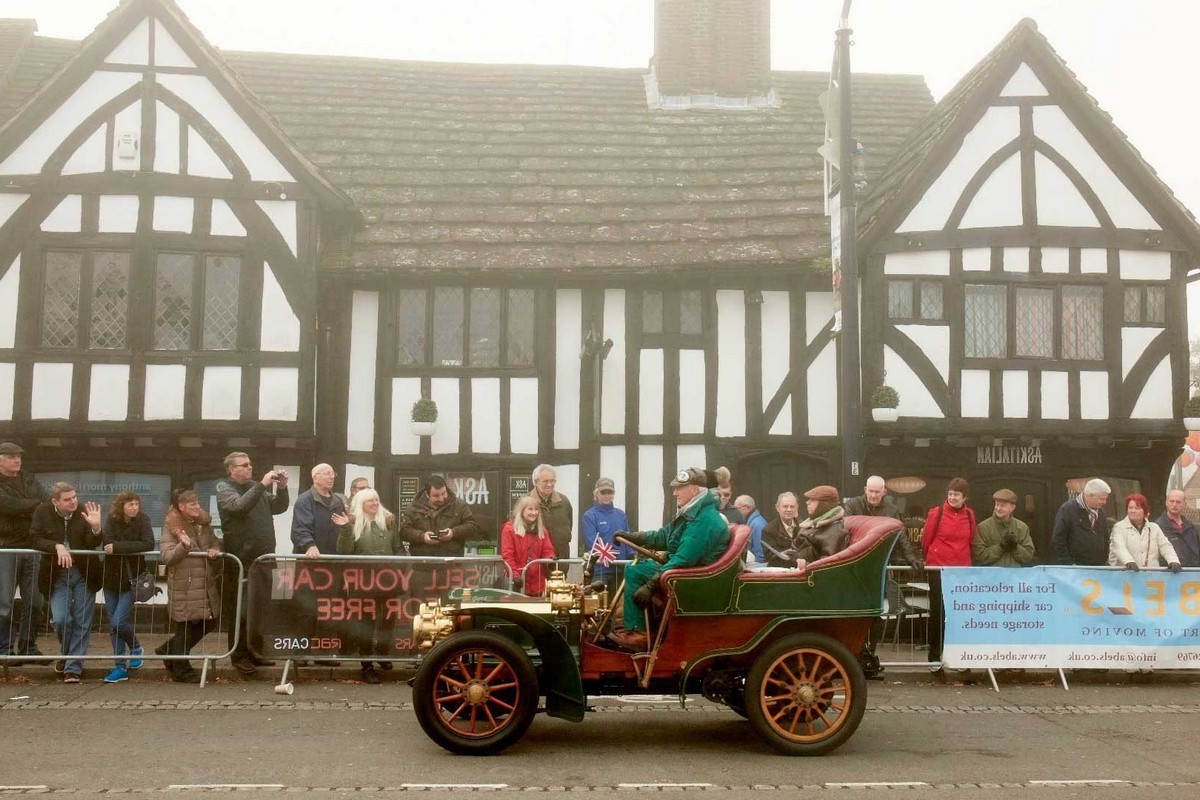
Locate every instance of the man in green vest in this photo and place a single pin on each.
(698, 535)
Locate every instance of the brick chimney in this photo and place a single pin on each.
(713, 47)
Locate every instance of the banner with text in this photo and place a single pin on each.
(1060, 617)
(352, 606)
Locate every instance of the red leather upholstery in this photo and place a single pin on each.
(738, 540)
(865, 533)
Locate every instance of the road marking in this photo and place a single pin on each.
(454, 786)
(1078, 782)
(866, 784)
(663, 785)
(30, 788)
(226, 786)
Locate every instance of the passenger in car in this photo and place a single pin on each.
(821, 534)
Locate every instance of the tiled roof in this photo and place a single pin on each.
(475, 167)
(948, 122)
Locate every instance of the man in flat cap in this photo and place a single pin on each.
(821, 534)
(1003, 540)
(20, 495)
(698, 535)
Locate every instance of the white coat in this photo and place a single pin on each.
(1145, 547)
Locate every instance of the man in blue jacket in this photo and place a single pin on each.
(754, 518)
(602, 521)
(1179, 529)
(314, 530)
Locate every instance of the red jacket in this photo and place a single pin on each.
(517, 551)
(947, 536)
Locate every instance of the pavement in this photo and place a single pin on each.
(922, 736)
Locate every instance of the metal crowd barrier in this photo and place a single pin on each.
(94, 560)
(343, 608)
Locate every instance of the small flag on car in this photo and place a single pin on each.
(605, 551)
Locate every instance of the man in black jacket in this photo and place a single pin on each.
(20, 494)
(58, 527)
(1080, 534)
(246, 507)
(876, 502)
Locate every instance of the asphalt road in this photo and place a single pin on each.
(339, 736)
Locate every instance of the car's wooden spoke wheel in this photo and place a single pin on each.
(475, 693)
(805, 694)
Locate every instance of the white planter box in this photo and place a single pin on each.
(1192, 423)
(885, 414)
(422, 428)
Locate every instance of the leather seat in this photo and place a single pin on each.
(865, 533)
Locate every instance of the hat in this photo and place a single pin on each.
(605, 484)
(1007, 495)
(824, 494)
(690, 477)
(10, 449)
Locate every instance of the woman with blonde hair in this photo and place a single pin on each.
(372, 533)
(524, 539)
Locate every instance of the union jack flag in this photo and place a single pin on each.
(606, 552)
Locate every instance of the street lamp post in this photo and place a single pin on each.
(849, 366)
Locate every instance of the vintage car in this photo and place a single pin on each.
(776, 646)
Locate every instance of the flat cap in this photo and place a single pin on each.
(10, 449)
(690, 477)
(605, 484)
(1007, 495)
(824, 494)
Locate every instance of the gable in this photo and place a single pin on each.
(1026, 161)
(1020, 143)
(146, 94)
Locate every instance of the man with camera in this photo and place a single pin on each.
(438, 523)
(246, 507)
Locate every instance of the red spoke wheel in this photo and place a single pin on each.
(475, 693)
(805, 694)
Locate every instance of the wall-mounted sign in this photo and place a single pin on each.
(1009, 455)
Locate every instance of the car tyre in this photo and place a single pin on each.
(805, 695)
(475, 693)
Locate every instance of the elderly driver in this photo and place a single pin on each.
(697, 536)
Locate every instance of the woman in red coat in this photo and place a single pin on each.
(522, 540)
(946, 539)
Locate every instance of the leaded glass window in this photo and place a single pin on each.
(520, 327)
(410, 320)
(1083, 323)
(986, 321)
(222, 283)
(1133, 304)
(1156, 304)
(1035, 323)
(690, 313)
(60, 299)
(900, 295)
(109, 313)
(448, 326)
(652, 312)
(485, 327)
(931, 301)
(173, 301)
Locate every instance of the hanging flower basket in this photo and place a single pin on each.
(884, 404)
(424, 417)
(1191, 413)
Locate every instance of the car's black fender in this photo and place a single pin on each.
(561, 682)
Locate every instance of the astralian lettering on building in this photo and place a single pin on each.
(1008, 455)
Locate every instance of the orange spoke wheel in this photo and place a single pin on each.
(805, 694)
(475, 693)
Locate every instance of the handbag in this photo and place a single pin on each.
(144, 586)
